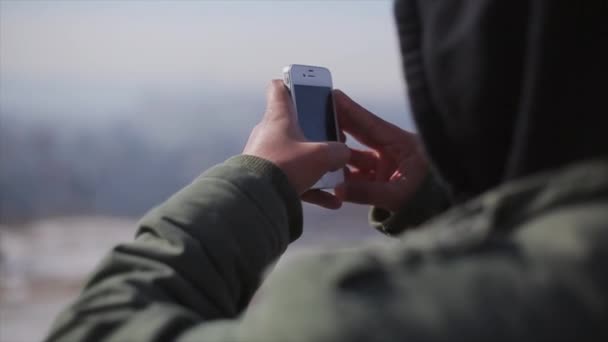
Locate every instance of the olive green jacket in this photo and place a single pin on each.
(524, 262)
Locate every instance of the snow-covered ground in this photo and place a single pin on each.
(43, 264)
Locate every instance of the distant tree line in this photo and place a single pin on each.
(46, 171)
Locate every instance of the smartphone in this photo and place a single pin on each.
(311, 92)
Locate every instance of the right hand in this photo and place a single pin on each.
(278, 139)
(391, 170)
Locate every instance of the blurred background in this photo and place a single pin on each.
(108, 107)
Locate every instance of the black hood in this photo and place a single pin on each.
(501, 89)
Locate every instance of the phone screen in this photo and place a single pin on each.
(315, 109)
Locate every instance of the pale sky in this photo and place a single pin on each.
(104, 51)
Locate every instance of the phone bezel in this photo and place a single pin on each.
(299, 74)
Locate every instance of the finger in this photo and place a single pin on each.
(330, 155)
(322, 198)
(380, 194)
(342, 137)
(364, 125)
(359, 175)
(278, 101)
(363, 160)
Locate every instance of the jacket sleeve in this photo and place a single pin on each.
(196, 258)
(430, 200)
(508, 291)
(469, 286)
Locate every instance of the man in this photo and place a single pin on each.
(510, 103)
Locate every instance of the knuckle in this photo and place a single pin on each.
(318, 149)
(325, 153)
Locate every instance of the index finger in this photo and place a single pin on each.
(364, 125)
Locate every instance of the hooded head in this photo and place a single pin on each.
(503, 89)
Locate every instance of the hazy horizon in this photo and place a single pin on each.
(109, 107)
(98, 61)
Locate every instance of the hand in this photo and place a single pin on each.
(387, 174)
(278, 139)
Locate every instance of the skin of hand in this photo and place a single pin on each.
(391, 170)
(278, 139)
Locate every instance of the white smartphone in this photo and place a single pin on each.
(311, 93)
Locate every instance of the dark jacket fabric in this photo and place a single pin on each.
(504, 89)
(506, 99)
(526, 261)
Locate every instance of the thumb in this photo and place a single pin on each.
(278, 101)
(336, 154)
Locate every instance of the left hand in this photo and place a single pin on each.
(389, 172)
(278, 139)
